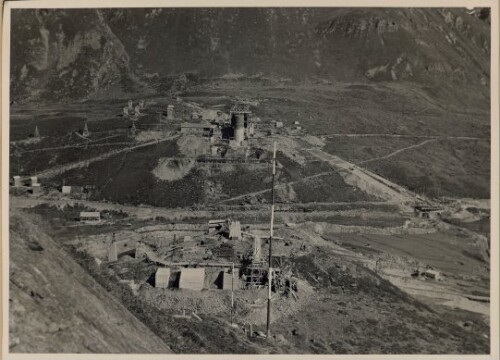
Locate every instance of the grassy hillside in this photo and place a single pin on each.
(443, 168)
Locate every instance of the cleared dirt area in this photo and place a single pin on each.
(333, 285)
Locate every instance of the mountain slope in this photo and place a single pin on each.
(337, 43)
(64, 54)
(55, 306)
(445, 51)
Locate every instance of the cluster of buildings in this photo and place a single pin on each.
(28, 185)
(134, 110)
(235, 132)
(247, 270)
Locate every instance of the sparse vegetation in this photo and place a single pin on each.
(373, 112)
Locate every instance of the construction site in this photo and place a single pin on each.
(255, 257)
(245, 215)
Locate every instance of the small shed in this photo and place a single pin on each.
(427, 212)
(33, 180)
(432, 274)
(279, 124)
(162, 277)
(170, 112)
(90, 217)
(229, 282)
(17, 181)
(234, 230)
(192, 279)
(215, 225)
(36, 189)
(72, 190)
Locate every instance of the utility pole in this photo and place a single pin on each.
(232, 292)
(270, 272)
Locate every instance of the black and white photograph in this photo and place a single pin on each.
(249, 179)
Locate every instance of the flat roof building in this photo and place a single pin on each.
(432, 274)
(229, 281)
(170, 112)
(235, 230)
(162, 278)
(17, 181)
(192, 279)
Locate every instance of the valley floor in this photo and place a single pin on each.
(347, 222)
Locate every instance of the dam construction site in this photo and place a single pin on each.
(252, 213)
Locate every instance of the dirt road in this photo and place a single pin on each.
(278, 186)
(366, 180)
(201, 216)
(408, 136)
(397, 152)
(63, 168)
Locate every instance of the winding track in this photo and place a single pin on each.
(408, 136)
(66, 167)
(397, 152)
(366, 180)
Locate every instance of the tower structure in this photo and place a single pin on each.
(170, 112)
(239, 120)
(86, 131)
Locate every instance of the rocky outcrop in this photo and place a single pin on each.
(57, 55)
(85, 53)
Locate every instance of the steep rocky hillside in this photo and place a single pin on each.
(444, 51)
(65, 54)
(55, 306)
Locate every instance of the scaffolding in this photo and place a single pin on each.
(255, 275)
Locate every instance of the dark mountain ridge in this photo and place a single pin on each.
(80, 54)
